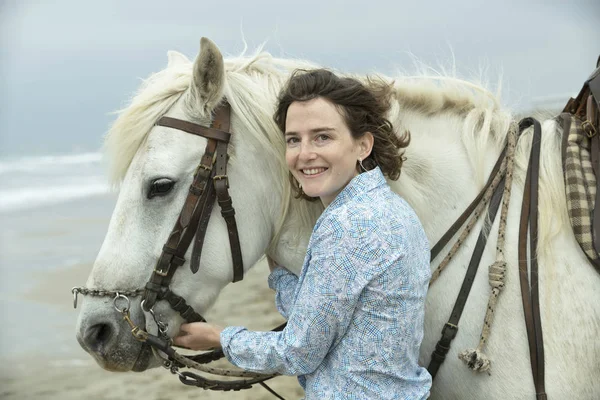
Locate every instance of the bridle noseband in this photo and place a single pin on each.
(210, 182)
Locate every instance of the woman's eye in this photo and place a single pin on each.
(322, 138)
(160, 187)
(292, 140)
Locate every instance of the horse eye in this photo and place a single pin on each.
(160, 187)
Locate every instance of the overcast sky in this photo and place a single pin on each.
(65, 64)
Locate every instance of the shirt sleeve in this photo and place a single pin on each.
(326, 300)
(284, 283)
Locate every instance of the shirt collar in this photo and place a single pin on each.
(361, 183)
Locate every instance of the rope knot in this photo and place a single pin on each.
(497, 275)
(476, 360)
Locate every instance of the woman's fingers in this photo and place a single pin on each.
(198, 336)
(182, 340)
(185, 328)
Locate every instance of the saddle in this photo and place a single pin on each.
(581, 164)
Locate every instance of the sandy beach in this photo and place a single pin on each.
(40, 357)
(31, 377)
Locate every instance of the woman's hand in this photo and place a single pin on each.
(198, 336)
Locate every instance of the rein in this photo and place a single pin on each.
(581, 142)
(496, 191)
(210, 183)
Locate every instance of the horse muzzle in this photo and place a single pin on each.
(103, 332)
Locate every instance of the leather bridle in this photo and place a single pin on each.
(210, 182)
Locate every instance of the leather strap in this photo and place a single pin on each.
(173, 254)
(530, 290)
(577, 105)
(179, 304)
(221, 182)
(207, 207)
(453, 230)
(593, 83)
(451, 327)
(592, 119)
(196, 211)
(206, 203)
(214, 132)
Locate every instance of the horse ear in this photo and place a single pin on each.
(176, 58)
(208, 75)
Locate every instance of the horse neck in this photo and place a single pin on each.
(440, 175)
(289, 247)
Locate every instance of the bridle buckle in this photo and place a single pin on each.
(220, 177)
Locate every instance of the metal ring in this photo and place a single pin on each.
(75, 292)
(162, 327)
(115, 303)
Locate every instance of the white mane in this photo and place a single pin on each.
(252, 85)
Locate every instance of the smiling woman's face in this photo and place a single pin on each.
(320, 150)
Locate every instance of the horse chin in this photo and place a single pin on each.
(146, 360)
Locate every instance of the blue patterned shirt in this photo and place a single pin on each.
(355, 313)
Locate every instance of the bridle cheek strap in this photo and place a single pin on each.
(210, 182)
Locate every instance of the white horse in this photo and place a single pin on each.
(458, 130)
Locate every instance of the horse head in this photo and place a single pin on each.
(154, 166)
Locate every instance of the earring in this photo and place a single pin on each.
(361, 165)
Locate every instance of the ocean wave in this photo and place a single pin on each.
(32, 164)
(32, 197)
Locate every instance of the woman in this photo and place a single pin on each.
(355, 313)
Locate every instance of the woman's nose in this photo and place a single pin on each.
(306, 152)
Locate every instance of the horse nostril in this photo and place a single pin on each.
(98, 336)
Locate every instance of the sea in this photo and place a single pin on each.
(54, 213)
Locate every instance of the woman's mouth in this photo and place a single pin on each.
(313, 172)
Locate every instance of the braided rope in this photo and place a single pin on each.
(217, 371)
(475, 359)
(472, 221)
(191, 379)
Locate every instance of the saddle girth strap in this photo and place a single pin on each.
(530, 289)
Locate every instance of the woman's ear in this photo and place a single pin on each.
(366, 145)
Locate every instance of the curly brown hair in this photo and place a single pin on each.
(363, 107)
